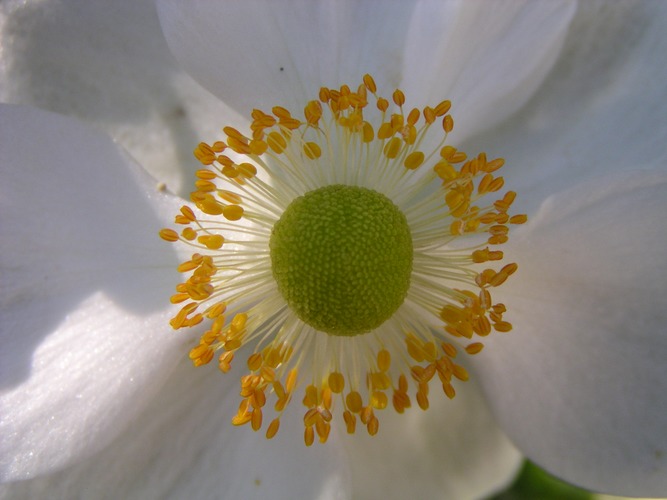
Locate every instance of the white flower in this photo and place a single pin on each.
(95, 398)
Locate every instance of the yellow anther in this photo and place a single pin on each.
(239, 146)
(254, 362)
(354, 402)
(384, 360)
(396, 122)
(413, 117)
(448, 124)
(233, 133)
(258, 398)
(373, 425)
(474, 348)
(385, 131)
(323, 429)
(324, 94)
(212, 242)
(204, 148)
(232, 212)
(350, 421)
(312, 150)
(398, 97)
(502, 326)
(429, 115)
(272, 430)
(169, 235)
(379, 400)
(448, 390)
(442, 108)
(326, 404)
(336, 382)
(197, 352)
(494, 165)
(449, 349)
(216, 310)
(309, 436)
(230, 171)
(188, 266)
(392, 148)
(210, 206)
(205, 186)
(400, 401)
(379, 380)
(422, 399)
(310, 399)
(239, 322)
(257, 146)
(367, 132)
(267, 374)
(460, 373)
(370, 83)
(225, 361)
(313, 112)
(179, 298)
(256, 419)
(276, 142)
(247, 170)
(414, 160)
(229, 196)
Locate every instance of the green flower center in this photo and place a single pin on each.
(342, 258)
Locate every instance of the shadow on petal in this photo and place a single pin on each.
(78, 216)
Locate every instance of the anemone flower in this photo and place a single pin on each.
(99, 397)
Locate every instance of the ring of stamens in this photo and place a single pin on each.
(247, 183)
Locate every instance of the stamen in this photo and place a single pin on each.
(312, 291)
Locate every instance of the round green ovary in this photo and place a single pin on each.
(342, 258)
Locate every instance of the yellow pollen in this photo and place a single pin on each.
(350, 137)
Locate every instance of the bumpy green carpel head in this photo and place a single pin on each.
(342, 258)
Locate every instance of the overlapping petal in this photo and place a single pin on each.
(581, 383)
(453, 450)
(589, 322)
(488, 57)
(84, 325)
(183, 446)
(601, 110)
(106, 63)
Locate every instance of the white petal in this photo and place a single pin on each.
(184, 446)
(259, 53)
(580, 384)
(107, 63)
(487, 57)
(85, 281)
(453, 450)
(601, 110)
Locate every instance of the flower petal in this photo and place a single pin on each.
(487, 57)
(259, 54)
(453, 450)
(85, 279)
(580, 384)
(107, 63)
(184, 446)
(601, 110)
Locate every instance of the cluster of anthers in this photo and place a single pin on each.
(290, 264)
